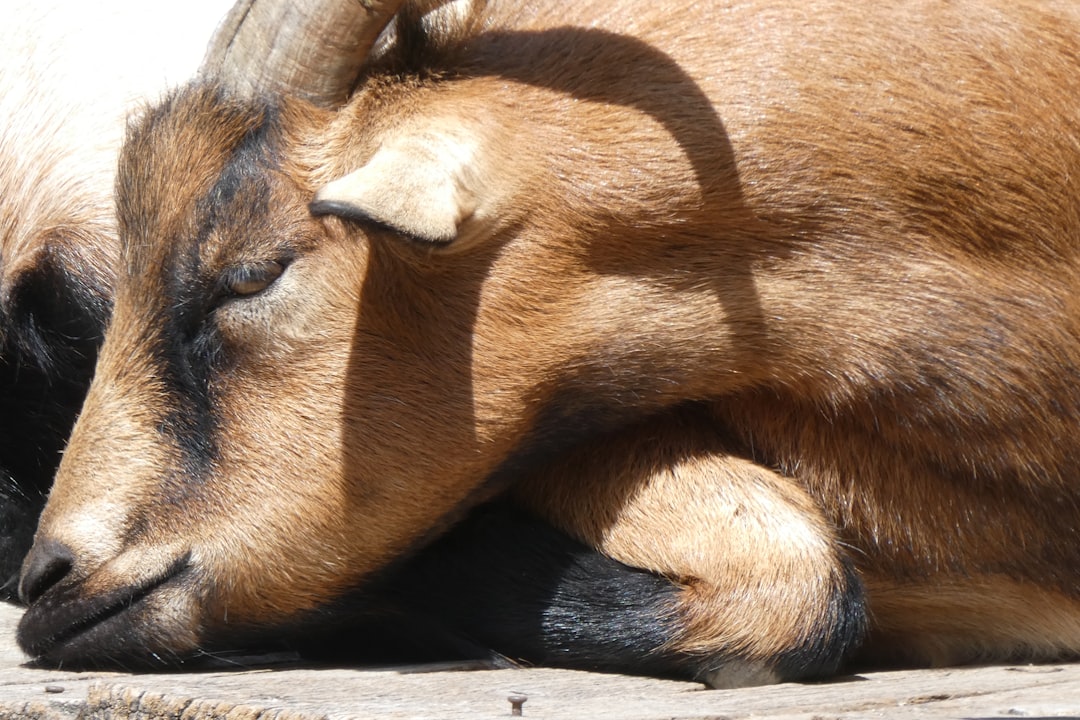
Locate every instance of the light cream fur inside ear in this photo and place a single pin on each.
(422, 185)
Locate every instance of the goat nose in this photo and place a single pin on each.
(46, 565)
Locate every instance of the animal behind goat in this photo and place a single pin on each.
(761, 320)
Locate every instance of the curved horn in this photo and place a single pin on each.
(310, 48)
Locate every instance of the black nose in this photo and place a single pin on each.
(46, 565)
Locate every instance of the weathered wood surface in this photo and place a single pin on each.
(301, 693)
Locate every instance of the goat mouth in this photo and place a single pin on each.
(106, 630)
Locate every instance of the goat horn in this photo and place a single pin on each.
(310, 48)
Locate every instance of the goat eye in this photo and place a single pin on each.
(253, 278)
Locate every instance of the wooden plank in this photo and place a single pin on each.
(420, 693)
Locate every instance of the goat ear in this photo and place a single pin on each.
(422, 187)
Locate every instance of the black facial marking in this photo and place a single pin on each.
(190, 349)
(62, 625)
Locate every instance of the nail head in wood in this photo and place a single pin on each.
(516, 701)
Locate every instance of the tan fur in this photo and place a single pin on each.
(847, 232)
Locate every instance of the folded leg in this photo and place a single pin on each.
(764, 589)
(652, 552)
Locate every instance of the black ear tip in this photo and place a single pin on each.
(344, 210)
(347, 211)
(319, 207)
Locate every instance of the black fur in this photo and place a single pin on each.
(51, 325)
(189, 350)
(503, 584)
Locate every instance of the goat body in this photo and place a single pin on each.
(776, 303)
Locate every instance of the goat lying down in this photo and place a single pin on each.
(759, 323)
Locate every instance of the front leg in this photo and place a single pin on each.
(652, 552)
(764, 591)
(505, 584)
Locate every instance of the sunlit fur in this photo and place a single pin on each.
(754, 293)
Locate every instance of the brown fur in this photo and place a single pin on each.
(847, 232)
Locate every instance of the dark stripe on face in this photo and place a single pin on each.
(189, 349)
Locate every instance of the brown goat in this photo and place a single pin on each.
(777, 303)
